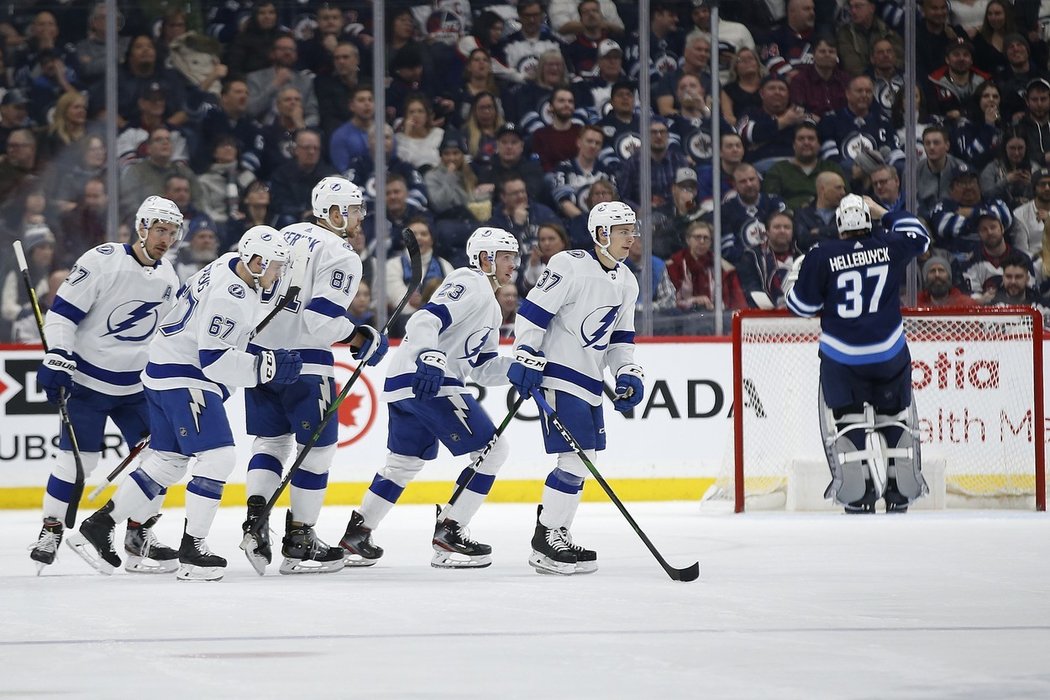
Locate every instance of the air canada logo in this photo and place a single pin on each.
(357, 412)
(133, 321)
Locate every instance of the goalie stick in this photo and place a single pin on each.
(63, 411)
(295, 284)
(409, 240)
(689, 573)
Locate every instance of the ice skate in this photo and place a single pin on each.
(357, 545)
(305, 553)
(257, 547)
(864, 504)
(895, 501)
(453, 548)
(198, 562)
(44, 551)
(94, 542)
(586, 559)
(551, 552)
(147, 554)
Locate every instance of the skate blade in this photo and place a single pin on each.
(146, 565)
(309, 566)
(84, 549)
(454, 560)
(190, 572)
(251, 550)
(545, 565)
(586, 567)
(356, 560)
(39, 567)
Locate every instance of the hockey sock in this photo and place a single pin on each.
(307, 495)
(264, 475)
(471, 498)
(60, 483)
(134, 495)
(202, 502)
(561, 496)
(379, 499)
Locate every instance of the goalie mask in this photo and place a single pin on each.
(266, 243)
(601, 220)
(853, 214)
(489, 240)
(152, 210)
(336, 192)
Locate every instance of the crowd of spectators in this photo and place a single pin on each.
(523, 116)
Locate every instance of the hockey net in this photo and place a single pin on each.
(977, 378)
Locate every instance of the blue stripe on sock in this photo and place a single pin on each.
(308, 480)
(145, 482)
(481, 483)
(265, 461)
(205, 487)
(386, 489)
(56, 488)
(564, 481)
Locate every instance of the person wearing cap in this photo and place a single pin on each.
(933, 35)
(955, 81)
(136, 75)
(586, 40)
(131, 141)
(39, 245)
(621, 123)
(983, 269)
(665, 162)
(672, 218)
(789, 46)
(666, 44)
(14, 114)
(453, 186)
(954, 220)
(510, 159)
(795, 180)
(855, 39)
(696, 60)
(573, 17)
(938, 290)
(1030, 218)
(1021, 68)
(1035, 124)
(594, 91)
(732, 36)
(265, 84)
(937, 170)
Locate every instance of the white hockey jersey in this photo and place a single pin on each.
(461, 320)
(105, 314)
(582, 317)
(201, 343)
(317, 319)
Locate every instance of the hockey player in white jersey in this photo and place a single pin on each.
(99, 330)
(576, 321)
(283, 417)
(453, 339)
(199, 354)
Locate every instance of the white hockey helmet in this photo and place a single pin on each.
(853, 214)
(265, 242)
(154, 209)
(335, 192)
(488, 239)
(606, 215)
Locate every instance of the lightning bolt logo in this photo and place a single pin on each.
(123, 319)
(604, 323)
(473, 345)
(459, 408)
(325, 400)
(196, 407)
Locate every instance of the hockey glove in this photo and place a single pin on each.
(56, 373)
(430, 370)
(374, 347)
(279, 366)
(629, 388)
(526, 373)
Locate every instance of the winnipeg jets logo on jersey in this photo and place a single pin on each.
(855, 142)
(133, 321)
(596, 325)
(474, 344)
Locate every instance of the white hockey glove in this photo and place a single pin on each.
(792, 276)
(630, 388)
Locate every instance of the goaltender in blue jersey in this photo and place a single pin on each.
(868, 419)
(451, 340)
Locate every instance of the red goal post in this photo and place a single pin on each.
(977, 377)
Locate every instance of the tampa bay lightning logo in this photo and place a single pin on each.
(236, 291)
(133, 321)
(474, 344)
(595, 327)
(105, 249)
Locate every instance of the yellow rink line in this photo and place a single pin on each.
(508, 491)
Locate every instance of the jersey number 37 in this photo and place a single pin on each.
(860, 290)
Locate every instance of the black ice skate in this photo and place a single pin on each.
(94, 542)
(146, 554)
(895, 502)
(305, 553)
(197, 562)
(866, 503)
(586, 559)
(44, 551)
(551, 552)
(358, 548)
(453, 548)
(257, 548)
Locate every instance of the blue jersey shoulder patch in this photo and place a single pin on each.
(237, 291)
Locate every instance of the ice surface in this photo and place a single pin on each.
(927, 605)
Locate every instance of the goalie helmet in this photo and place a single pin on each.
(266, 243)
(490, 240)
(853, 214)
(154, 209)
(335, 192)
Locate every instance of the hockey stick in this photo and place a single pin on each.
(472, 470)
(689, 573)
(409, 240)
(139, 446)
(63, 411)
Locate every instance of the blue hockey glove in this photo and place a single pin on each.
(279, 366)
(374, 348)
(526, 373)
(55, 373)
(430, 370)
(629, 388)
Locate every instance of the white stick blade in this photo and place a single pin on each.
(21, 256)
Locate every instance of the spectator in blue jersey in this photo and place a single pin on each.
(790, 46)
(764, 267)
(292, 183)
(621, 123)
(529, 104)
(696, 62)
(861, 123)
(732, 156)
(351, 139)
(517, 213)
(231, 117)
(955, 219)
(666, 45)
(601, 190)
(571, 178)
(520, 52)
(665, 162)
(769, 132)
(744, 212)
(594, 90)
(511, 160)
(691, 125)
(361, 170)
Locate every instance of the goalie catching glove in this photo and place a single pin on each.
(56, 373)
(430, 370)
(629, 387)
(278, 366)
(526, 373)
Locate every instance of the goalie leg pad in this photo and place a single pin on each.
(905, 455)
